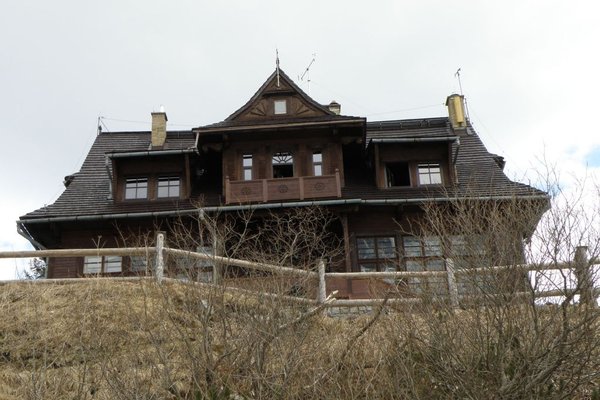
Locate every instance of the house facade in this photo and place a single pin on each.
(280, 151)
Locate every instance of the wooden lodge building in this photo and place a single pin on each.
(280, 150)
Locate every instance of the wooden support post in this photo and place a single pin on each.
(265, 191)
(322, 294)
(452, 287)
(228, 198)
(583, 272)
(301, 187)
(338, 183)
(160, 261)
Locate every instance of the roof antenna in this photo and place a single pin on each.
(307, 72)
(457, 75)
(99, 129)
(277, 64)
(101, 124)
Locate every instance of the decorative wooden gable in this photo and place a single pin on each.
(279, 98)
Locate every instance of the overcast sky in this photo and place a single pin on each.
(530, 71)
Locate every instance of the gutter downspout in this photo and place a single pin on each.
(110, 179)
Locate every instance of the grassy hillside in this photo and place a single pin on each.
(138, 340)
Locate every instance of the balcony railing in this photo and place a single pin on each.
(276, 189)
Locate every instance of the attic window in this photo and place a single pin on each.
(280, 107)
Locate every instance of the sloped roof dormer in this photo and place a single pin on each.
(293, 103)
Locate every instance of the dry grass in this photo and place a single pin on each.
(139, 340)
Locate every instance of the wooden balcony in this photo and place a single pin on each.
(280, 189)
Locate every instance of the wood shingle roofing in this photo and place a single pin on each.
(478, 174)
(88, 192)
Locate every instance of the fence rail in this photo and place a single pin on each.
(581, 268)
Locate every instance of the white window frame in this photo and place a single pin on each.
(429, 173)
(317, 159)
(280, 107)
(247, 167)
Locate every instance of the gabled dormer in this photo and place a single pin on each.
(157, 171)
(412, 153)
(279, 98)
(281, 145)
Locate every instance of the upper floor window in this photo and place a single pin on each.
(168, 186)
(247, 165)
(429, 174)
(317, 159)
(376, 253)
(397, 174)
(136, 188)
(280, 107)
(283, 165)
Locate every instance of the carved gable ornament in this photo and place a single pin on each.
(279, 100)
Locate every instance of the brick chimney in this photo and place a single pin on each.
(456, 111)
(335, 107)
(159, 128)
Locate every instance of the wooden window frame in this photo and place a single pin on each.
(380, 262)
(102, 265)
(136, 180)
(247, 172)
(169, 179)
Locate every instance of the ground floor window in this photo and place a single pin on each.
(138, 263)
(102, 264)
(425, 254)
(376, 253)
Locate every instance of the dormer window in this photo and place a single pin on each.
(136, 188)
(280, 107)
(168, 186)
(397, 174)
(429, 174)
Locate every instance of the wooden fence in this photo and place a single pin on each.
(582, 270)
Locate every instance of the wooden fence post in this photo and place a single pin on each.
(160, 260)
(322, 294)
(452, 287)
(583, 272)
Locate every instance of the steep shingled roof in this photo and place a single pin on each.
(88, 192)
(478, 173)
(477, 170)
